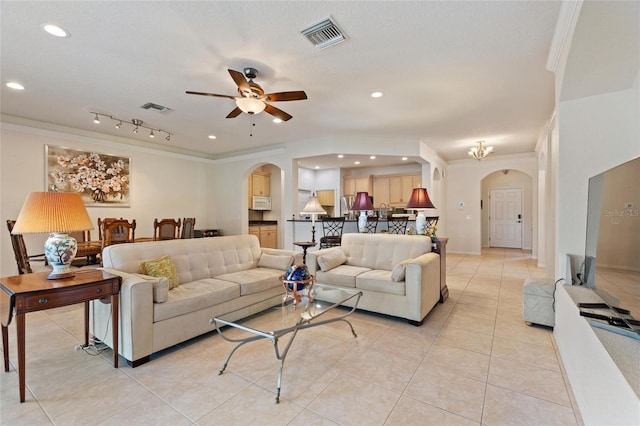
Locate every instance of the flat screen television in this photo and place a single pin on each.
(612, 250)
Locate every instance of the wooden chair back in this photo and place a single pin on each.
(101, 223)
(118, 231)
(166, 229)
(81, 235)
(372, 225)
(20, 251)
(188, 227)
(397, 225)
(332, 229)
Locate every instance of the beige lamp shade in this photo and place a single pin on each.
(46, 212)
(313, 206)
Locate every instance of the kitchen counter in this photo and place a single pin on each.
(262, 222)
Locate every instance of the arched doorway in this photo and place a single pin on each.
(506, 205)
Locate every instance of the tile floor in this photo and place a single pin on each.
(473, 361)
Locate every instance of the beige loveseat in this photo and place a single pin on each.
(221, 275)
(397, 274)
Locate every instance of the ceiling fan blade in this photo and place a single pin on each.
(209, 94)
(286, 96)
(241, 82)
(278, 113)
(236, 112)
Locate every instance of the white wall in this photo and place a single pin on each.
(596, 134)
(162, 184)
(464, 185)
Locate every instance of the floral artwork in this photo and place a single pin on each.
(101, 179)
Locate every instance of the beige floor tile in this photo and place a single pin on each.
(507, 407)
(391, 369)
(470, 322)
(352, 401)
(525, 352)
(476, 342)
(451, 392)
(516, 329)
(458, 361)
(411, 412)
(309, 418)
(537, 382)
(150, 411)
(253, 406)
(405, 338)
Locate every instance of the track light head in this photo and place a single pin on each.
(151, 135)
(96, 119)
(119, 124)
(168, 138)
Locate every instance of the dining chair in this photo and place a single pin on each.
(372, 225)
(332, 230)
(188, 226)
(81, 237)
(118, 231)
(397, 225)
(166, 229)
(101, 222)
(23, 260)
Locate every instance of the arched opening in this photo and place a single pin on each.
(264, 184)
(506, 204)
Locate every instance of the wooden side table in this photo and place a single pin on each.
(441, 249)
(21, 294)
(305, 245)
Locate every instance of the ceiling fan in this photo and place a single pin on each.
(252, 99)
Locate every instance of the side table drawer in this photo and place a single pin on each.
(47, 300)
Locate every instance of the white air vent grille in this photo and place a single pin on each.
(324, 34)
(159, 108)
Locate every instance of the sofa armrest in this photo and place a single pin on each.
(136, 317)
(422, 283)
(312, 258)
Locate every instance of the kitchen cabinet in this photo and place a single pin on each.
(353, 185)
(267, 235)
(401, 187)
(326, 197)
(381, 190)
(259, 185)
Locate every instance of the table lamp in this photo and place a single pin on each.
(57, 213)
(362, 203)
(313, 207)
(420, 201)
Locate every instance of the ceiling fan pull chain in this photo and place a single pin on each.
(253, 124)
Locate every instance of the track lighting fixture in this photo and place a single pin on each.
(134, 122)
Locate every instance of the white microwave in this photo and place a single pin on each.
(260, 203)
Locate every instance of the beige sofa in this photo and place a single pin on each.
(397, 274)
(216, 276)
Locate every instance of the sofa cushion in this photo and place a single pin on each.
(331, 258)
(380, 251)
(341, 276)
(195, 295)
(380, 281)
(161, 267)
(398, 272)
(254, 280)
(275, 261)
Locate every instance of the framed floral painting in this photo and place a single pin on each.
(100, 179)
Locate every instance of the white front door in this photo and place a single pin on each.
(505, 217)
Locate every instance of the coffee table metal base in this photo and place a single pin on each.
(304, 322)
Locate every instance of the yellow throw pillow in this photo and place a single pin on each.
(161, 267)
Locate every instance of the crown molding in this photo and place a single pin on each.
(563, 34)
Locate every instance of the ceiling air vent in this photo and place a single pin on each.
(324, 34)
(159, 108)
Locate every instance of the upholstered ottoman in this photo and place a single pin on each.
(538, 302)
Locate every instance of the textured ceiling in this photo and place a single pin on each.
(452, 72)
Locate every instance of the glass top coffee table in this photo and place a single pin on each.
(290, 319)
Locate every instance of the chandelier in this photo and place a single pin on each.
(134, 122)
(479, 152)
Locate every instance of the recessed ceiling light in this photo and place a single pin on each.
(373, 157)
(405, 158)
(340, 156)
(376, 94)
(356, 162)
(55, 30)
(277, 120)
(15, 85)
(212, 136)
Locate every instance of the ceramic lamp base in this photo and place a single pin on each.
(362, 222)
(60, 249)
(420, 223)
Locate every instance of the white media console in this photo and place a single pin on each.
(603, 367)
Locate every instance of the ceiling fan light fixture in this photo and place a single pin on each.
(250, 105)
